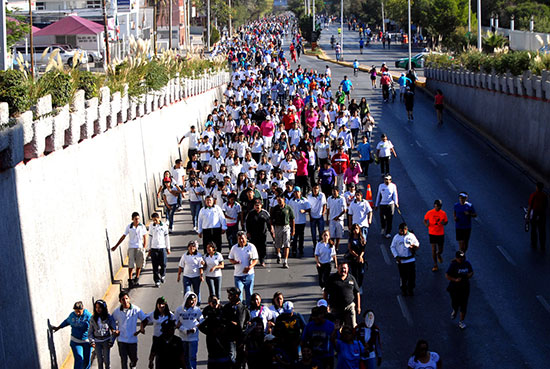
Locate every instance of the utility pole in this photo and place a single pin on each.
(155, 26)
(208, 25)
(410, 51)
(479, 25)
(170, 25)
(383, 23)
(4, 51)
(31, 38)
(230, 33)
(313, 12)
(107, 60)
(342, 29)
(469, 16)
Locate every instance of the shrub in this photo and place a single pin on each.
(58, 85)
(87, 81)
(214, 35)
(156, 76)
(14, 89)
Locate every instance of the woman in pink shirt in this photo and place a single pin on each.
(267, 129)
(302, 179)
(311, 118)
(298, 102)
(351, 175)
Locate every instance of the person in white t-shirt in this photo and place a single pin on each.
(423, 358)
(325, 253)
(193, 141)
(205, 150)
(336, 205)
(289, 167)
(244, 256)
(360, 213)
(191, 265)
(384, 150)
(213, 265)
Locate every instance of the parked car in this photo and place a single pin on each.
(417, 61)
(66, 53)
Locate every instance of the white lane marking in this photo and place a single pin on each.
(408, 129)
(544, 303)
(478, 219)
(443, 154)
(431, 160)
(418, 143)
(385, 254)
(453, 187)
(405, 310)
(506, 255)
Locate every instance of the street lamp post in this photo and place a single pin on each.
(313, 17)
(107, 60)
(469, 16)
(383, 23)
(230, 18)
(341, 29)
(208, 25)
(4, 51)
(410, 47)
(31, 38)
(479, 25)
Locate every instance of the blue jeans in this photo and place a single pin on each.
(194, 282)
(317, 224)
(195, 208)
(214, 285)
(82, 353)
(245, 283)
(103, 354)
(170, 215)
(190, 349)
(365, 232)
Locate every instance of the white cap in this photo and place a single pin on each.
(322, 302)
(288, 307)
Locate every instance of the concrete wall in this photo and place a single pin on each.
(59, 209)
(514, 111)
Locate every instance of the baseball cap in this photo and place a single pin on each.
(460, 254)
(322, 302)
(463, 194)
(288, 307)
(233, 291)
(297, 189)
(387, 176)
(269, 337)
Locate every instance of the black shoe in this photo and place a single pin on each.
(411, 293)
(130, 283)
(404, 293)
(301, 253)
(136, 282)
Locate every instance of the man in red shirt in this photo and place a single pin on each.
(385, 82)
(536, 214)
(340, 162)
(435, 220)
(289, 118)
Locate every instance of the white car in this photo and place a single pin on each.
(66, 53)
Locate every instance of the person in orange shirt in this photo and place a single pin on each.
(436, 220)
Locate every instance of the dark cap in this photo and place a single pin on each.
(460, 254)
(234, 291)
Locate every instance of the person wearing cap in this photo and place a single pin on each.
(316, 334)
(342, 294)
(360, 212)
(168, 350)
(536, 215)
(459, 274)
(463, 213)
(237, 316)
(340, 162)
(384, 151)
(300, 207)
(435, 220)
(288, 330)
(188, 317)
(403, 249)
(267, 129)
(283, 227)
(388, 199)
(385, 82)
(159, 247)
(244, 256)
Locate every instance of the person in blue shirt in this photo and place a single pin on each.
(79, 320)
(355, 67)
(317, 335)
(361, 45)
(463, 214)
(364, 155)
(349, 349)
(347, 86)
(403, 81)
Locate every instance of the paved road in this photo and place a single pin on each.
(374, 54)
(509, 316)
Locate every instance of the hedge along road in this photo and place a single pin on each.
(507, 322)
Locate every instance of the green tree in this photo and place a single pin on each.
(444, 18)
(16, 28)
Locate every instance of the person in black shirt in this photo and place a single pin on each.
(236, 316)
(168, 348)
(257, 224)
(459, 273)
(288, 330)
(342, 294)
(193, 165)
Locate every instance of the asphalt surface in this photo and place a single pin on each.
(509, 312)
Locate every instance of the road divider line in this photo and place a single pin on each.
(385, 254)
(453, 187)
(408, 129)
(506, 255)
(431, 160)
(405, 310)
(418, 143)
(478, 219)
(544, 303)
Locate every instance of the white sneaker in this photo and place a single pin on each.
(453, 315)
(388, 235)
(157, 284)
(461, 325)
